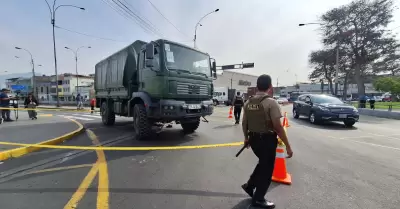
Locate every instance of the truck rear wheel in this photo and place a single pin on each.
(141, 123)
(190, 126)
(107, 115)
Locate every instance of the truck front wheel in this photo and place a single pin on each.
(107, 115)
(190, 126)
(141, 123)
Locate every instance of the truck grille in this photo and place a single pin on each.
(193, 89)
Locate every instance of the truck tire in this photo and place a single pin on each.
(107, 115)
(141, 123)
(190, 127)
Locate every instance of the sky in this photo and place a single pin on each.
(259, 31)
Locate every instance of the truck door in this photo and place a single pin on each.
(149, 81)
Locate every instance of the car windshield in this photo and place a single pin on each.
(187, 60)
(326, 99)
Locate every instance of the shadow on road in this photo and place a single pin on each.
(324, 125)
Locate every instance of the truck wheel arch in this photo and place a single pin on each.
(140, 98)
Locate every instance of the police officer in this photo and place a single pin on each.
(238, 104)
(261, 125)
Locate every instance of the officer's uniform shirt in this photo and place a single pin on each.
(262, 120)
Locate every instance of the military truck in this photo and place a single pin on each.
(156, 82)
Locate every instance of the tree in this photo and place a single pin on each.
(388, 64)
(388, 84)
(324, 65)
(359, 27)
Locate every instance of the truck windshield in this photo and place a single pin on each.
(186, 60)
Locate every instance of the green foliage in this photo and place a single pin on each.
(388, 84)
(366, 46)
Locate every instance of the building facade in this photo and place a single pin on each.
(69, 85)
(235, 80)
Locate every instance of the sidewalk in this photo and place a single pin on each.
(46, 129)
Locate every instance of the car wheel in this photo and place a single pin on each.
(349, 123)
(313, 119)
(295, 114)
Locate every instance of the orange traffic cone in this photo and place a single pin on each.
(285, 121)
(230, 113)
(280, 174)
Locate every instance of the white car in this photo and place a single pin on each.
(282, 100)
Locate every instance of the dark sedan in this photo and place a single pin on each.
(319, 108)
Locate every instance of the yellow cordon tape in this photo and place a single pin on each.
(124, 148)
(48, 109)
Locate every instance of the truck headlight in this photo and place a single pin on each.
(168, 107)
(355, 109)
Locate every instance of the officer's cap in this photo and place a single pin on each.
(264, 82)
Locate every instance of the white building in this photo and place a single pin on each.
(235, 80)
(69, 85)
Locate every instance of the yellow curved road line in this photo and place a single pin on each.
(28, 148)
(124, 148)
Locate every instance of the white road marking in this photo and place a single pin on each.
(90, 116)
(74, 117)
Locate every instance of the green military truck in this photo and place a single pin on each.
(156, 82)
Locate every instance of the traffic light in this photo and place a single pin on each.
(248, 65)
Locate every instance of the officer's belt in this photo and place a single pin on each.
(264, 134)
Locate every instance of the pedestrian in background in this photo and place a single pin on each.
(5, 103)
(92, 104)
(79, 101)
(31, 103)
(261, 125)
(237, 104)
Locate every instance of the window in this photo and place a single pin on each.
(223, 93)
(41, 89)
(326, 99)
(302, 98)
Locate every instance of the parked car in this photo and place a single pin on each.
(282, 100)
(320, 108)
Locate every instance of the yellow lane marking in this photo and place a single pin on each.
(102, 190)
(80, 192)
(45, 115)
(61, 168)
(127, 148)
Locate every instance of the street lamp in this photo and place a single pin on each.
(53, 10)
(33, 69)
(198, 23)
(76, 62)
(337, 59)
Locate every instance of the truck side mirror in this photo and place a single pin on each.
(214, 67)
(214, 75)
(150, 51)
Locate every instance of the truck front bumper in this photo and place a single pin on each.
(175, 109)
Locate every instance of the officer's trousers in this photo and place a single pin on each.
(236, 112)
(264, 147)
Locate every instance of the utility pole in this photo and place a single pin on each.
(53, 10)
(198, 23)
(337, 70)
(76, 63)
(33, 70)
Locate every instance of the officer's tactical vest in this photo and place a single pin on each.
(255, 114)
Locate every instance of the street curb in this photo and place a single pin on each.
(18, 152)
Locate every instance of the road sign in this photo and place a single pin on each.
(18, 87)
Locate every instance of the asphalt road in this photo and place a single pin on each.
(333, 167)
(25, 130)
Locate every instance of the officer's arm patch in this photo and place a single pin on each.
(253, 107)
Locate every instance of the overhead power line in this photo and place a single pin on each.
(166, 18)
(84, 34)
(124, 11)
